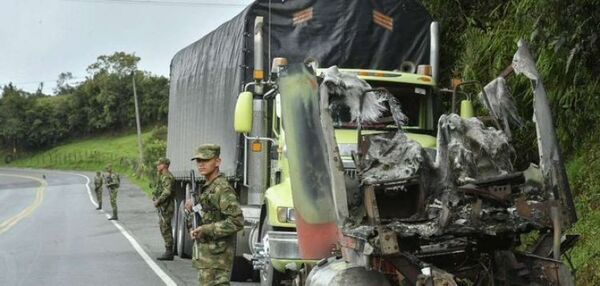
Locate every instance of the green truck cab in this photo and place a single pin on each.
(276, 250)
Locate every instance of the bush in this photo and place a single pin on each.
(155, 147)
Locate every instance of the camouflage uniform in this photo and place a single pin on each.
(221, 219)
(98, 189)
(164, 199)
(112, 183)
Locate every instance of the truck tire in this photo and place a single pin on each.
(269, 276)
(242, 270)
(184, 241)
(174, 226)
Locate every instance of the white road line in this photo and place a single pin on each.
(159, 272)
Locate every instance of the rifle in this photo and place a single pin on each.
(154, 186)
(160, 215)
(196, 207)
(107, 182)
(155, 195)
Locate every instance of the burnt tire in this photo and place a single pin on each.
(184, 241)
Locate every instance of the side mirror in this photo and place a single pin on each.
(466, 105)
(466, 109)
(243, 113)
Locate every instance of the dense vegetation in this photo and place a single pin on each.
(478, 41)
(102, 103)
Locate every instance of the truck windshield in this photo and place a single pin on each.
(413, 99)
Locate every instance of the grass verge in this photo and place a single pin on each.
(91, 154)
(583, 170)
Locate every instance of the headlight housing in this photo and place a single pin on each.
(286, 215)
(346, 149)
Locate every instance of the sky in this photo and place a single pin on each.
(39, 39)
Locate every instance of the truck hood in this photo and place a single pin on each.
(348, 138)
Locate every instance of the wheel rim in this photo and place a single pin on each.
(265, 275)
(180, 234)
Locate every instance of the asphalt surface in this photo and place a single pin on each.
(51, 234)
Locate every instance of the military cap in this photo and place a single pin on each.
(163, 160)
(207, 152)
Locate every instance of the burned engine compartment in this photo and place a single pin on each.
(453, 212)
(454, 218)
(469, 188)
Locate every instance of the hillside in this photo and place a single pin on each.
(91, 154)
(583, 170)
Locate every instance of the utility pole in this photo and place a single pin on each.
(137, 119)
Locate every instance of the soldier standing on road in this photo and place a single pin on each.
(112, 181)
(163, 201)
(98, 189)
(214, 239)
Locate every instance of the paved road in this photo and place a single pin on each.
(50, 234)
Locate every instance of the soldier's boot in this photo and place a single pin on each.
(168, 255)
(99, 206)
(114, 216)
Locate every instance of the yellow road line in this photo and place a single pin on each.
(39, 196)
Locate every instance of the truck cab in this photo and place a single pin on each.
(275, 251)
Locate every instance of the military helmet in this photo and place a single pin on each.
(163, 160)
(108, 168)
(207, 152)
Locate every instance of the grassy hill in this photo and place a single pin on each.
(90, 154)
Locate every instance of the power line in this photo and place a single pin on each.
(31, 87)
(40, 81)
(163, 3)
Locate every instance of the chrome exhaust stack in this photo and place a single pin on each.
(434, 50)
(259, 71)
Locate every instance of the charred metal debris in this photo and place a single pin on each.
(455, 214)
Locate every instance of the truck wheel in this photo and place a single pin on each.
(184, 241)
(242, 270)
(269, 276)
(174, 227)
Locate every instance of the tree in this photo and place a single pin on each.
(119, 63)
(13, 106)
(62, 84)
(102, 102)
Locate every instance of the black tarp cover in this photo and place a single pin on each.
(207, 76)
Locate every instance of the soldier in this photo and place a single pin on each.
(214, 239)
(98, 189)
(163, 201)
(112, 183)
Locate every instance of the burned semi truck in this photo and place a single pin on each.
(350, 175)
(412, 217)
